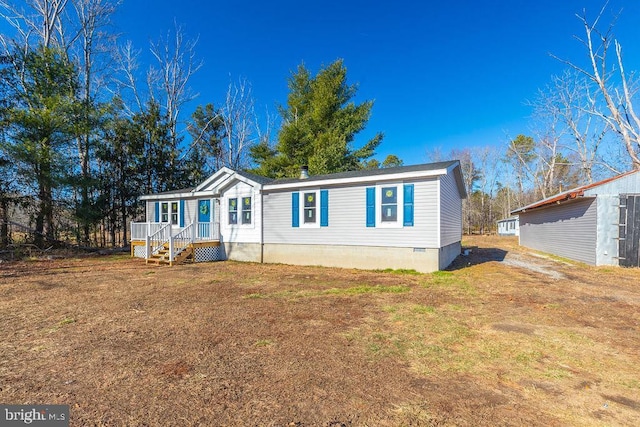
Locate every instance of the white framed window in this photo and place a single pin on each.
(169, 212)
(233, 211)
(164, 212)
(246, 210)
(389, 203)
(310, 208)
(240, 210)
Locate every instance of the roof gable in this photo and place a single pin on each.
(226, 177)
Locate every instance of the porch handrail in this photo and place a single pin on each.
(180, 241)
(157, 240)
(140, 230)
(208, 231)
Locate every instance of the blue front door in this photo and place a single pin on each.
(204, 218)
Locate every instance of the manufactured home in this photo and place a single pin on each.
(598, 224)
(509, 226)
(407, 217)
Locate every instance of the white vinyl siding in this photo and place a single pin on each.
(347, 219)
(450, 211)
(190, 211)
(567, 230)
(151, 210)
(241, 233)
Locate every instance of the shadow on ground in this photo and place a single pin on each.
(476, 255)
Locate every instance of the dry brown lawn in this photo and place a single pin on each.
(506, 337)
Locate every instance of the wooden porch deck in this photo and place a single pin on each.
(199, 251)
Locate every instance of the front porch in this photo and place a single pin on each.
(164, 243)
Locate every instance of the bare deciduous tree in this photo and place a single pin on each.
(618, 106)
(42, 19)
(568, 104)
(240, 124)
(126, 78)
(177, 63)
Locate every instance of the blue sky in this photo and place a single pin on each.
(449, 74)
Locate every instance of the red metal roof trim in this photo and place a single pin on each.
(571, 194)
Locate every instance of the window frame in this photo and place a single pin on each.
(170, 213)
(243, 210)
(399, 222)
(240, 196)
(229, 211)
(303, 195)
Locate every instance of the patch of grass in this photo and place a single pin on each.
(423, 309)
(401, 271)
(63, 322)
(67, 321)
(526, 358)
(556, 373)
(448, 280)
(426, 337)
(366, 289)
(559, 258)
(354, 290)
(255, 296)
(116, 257)
(632, 384)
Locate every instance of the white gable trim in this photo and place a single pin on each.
(215, 184)
(224, 171)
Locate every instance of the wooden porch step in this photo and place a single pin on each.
(162, 256)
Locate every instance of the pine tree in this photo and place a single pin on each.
(321, 121)
(43, 122)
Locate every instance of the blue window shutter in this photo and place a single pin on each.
(324, 208)
(181, 213)
(371, 206)
(157, 212)
(295, 209)
(408, 205)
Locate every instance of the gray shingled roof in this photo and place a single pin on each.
(370, 172)
(257, 178)
(350, 174)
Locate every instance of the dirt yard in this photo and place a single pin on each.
(506, 337)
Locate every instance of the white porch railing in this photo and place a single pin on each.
(157, 240)
(140, 230)
(207, 231)
(156, 235)
(180, 241)
(203, 230)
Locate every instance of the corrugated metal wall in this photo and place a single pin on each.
(568, 230)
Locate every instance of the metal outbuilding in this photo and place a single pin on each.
(598, 224)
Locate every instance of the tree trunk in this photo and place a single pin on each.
(4, 220)
(123, 212)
